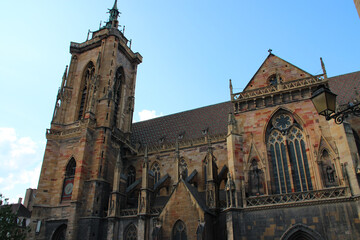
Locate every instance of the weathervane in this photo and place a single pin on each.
(270, 50)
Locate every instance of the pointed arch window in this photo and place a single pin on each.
(69, 180)
(156, 170)
(287, 151)
(131, 175)
(179, 231)
(130, 233)
(88, 76)
(119, 79)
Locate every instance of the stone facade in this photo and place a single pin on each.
(264, 165)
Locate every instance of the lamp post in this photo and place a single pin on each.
(325, 104)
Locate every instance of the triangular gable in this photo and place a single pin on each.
(190, 194)
(275, 65)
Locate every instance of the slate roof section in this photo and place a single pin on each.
(346, 86)
(190, 123)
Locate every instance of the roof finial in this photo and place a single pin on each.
(270, 50)
(231, 87)
(115, 5)
(323, 67)
(114, 14)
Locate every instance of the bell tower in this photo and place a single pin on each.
(91, 126)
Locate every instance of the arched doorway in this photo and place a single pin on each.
(301, 232)
(59, 233)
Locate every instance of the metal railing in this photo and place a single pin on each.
(259, 92)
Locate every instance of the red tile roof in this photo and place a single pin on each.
(346, 86)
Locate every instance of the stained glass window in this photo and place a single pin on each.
(297, 149)
(282, 121)
(279, 162)
(287, 150)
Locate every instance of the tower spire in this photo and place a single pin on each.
(113, 19)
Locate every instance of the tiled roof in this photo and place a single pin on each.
(215, 117)
(189, 123)
(346, 86)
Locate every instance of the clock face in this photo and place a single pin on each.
(68, 188)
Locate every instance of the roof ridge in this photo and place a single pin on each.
(344, 74)
(190, 110)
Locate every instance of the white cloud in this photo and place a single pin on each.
(20, 163)
(16, 152)
(148, 114)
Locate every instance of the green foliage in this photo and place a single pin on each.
(9, 229)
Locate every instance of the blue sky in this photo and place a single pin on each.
(191, 49)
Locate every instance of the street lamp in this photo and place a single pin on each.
(325, 104)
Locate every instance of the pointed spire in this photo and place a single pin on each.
(113, 19)
(323, 67)
(65, 72)
(231, 87)
(115, 5)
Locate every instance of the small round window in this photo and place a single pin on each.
(282, 121)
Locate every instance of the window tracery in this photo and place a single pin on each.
(287, 151)
(131, 233)
(156, 170)
(179, 231)
(88, 76)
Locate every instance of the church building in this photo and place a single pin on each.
(263, 165)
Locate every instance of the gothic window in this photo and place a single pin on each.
(287, 151)
(119, 76)
(274, 79)
(279, 162)
(255, 179)
(131, 175)
(130, 233)
(179, 231)
(88, 75)
(156, 170)
(69, 180)
(298, 160)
